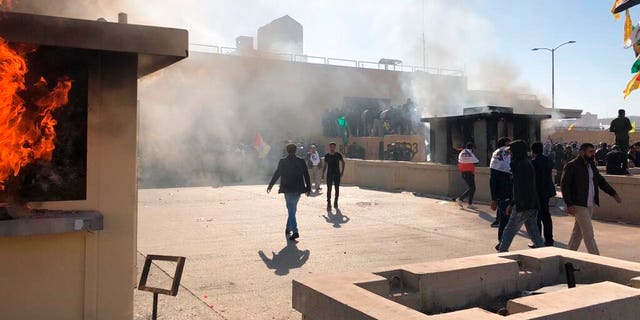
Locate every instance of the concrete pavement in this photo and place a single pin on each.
(239, 265)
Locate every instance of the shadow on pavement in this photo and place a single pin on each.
(290, 257)
(337, 219)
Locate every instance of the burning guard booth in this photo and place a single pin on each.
(483, 126)
(71, 252)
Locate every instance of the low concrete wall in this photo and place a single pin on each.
(371, 145)
(445, 180)
(629, 211)
(422, 177)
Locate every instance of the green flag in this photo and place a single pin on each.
(342, 122)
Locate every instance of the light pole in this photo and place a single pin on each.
(553, 70)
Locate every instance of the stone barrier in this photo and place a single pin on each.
(445, 181)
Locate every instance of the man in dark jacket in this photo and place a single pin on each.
(294, 181)
(580, 182)
(543, 167)
(601, 154)
(525, 204)
(621, 127)
(617, 162)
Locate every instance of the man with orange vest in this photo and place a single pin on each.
(467, 166)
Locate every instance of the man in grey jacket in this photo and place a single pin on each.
(525, 204)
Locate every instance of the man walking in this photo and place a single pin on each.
(467, 166)
(500, 185)
(294, 181)
(313, 159)
(334, 169)
(546, 189)
(525, 204)
(621, 127)
(580, 182)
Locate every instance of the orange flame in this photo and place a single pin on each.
(6, 4)
(26, 130)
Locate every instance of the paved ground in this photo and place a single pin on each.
(239, 265)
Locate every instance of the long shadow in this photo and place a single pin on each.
(290, 257)
(337, 219)
(486, 216)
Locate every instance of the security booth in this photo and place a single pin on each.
(483, 126)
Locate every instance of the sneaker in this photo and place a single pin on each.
(460, 203)
(287, 231)
(472, 207)
(531, 245)
(495, 224)
(497, 246)
(294, 236)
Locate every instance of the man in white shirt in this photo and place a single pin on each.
(313, 161)
(467, 165)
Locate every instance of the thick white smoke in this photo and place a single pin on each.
(196, 114)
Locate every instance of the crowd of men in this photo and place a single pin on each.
(521, 184)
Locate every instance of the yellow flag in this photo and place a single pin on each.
(570, 128)
(633, 127)
(615, 4)
(633, 84)
(628, 29)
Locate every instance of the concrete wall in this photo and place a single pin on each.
(423, 177)
(445, 180)
(86, 275)
(594, 137)
(371, 145)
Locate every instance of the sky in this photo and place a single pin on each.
(490, 40)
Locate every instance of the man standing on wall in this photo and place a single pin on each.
(334, 169)
(621, 127)
(543, 167)
(500, 185)
(580, 182)
(525, 204)
(467, 166)
(294, 181)
(313, 161)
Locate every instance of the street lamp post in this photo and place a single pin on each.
(553, 70)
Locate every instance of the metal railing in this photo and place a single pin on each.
(303, 58)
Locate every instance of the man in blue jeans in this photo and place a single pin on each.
(525, 203)
(294, 181)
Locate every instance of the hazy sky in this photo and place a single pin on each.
(489, 39)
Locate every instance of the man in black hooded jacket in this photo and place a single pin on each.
(525, 204)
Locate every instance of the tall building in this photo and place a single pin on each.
(284, 35)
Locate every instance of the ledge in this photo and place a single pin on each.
(52, 222)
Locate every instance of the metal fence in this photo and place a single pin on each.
(328, 61)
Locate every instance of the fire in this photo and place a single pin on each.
(27, 128)
(6, 4)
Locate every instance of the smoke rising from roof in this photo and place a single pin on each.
(196, 114)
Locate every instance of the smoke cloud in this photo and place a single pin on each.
(199, 117)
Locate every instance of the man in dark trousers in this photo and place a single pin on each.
(546, 189)
(580, 182)
(467, 165)
(621, 127)
(334, 169)
(500, 185)
(617, 162)
(294, 181)
(525, 203)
